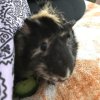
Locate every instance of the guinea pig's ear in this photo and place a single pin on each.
(30, 26)
(27, 21)
(70, 24)
(26, 27)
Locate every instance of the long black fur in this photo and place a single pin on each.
(56, 42)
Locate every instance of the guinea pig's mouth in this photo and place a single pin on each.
(53, 80)
(41, 71)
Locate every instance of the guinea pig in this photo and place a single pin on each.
(45, 46)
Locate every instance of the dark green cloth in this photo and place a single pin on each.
(72, 9)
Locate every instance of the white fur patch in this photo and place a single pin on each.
(68, 73)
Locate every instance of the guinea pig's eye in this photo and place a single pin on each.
(43, 46)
